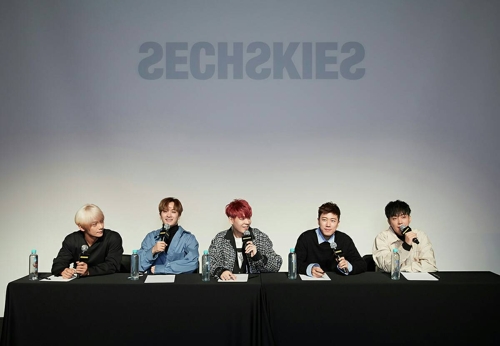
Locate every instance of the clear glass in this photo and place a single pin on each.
(395, 266)
(205, 268)
(292, 265)
(33, 269)
(134, 267)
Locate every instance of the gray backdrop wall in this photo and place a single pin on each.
(287, 104)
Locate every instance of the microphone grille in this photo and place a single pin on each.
(84, 248)
(333, 245)
(247, 232)
(166, 226)
(404, 229)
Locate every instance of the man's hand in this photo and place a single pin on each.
(343, 264)
(68, 273)
(227, 275)
(317, 272)
(159, 247)
(409, 237)
(82, 268)
(251, 249)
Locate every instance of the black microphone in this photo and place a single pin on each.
(164, 234)
(405, 229)
(84, 257)
(247, 236)
(338, 254)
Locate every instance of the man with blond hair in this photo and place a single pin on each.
(104, 247)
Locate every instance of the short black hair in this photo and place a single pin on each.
(329, 207)
(396, 208)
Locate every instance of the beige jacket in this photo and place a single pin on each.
(420, 258)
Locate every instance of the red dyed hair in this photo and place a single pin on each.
(239, 208)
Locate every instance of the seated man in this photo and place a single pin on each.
(227, 255)
(104, 247)
(170, 249)
(415, 249)
(326, 249)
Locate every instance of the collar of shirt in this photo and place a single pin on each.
(393, 237)
(321, 238)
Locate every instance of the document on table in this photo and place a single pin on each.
(155, 279)
(54, 278)
(239, 278)
(419, 276)
(325, 277)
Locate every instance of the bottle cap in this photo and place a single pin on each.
(292, 249)
(205, 252)
(134, 251)
(395, 250)
(33, 252)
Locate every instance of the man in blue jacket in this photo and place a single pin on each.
(170, 249)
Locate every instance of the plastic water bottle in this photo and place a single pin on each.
(33, 270)
(395, 267)
(134, 265)
(205, 266)
(292, 264)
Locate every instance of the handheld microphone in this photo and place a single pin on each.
(338, 254)
(247, 236)
(405, 229)
(164, 234)
(84, 257)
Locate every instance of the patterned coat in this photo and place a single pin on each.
(222, 252)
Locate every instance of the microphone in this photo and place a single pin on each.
(83, 256)
(405, 229)
(338, 254)
(164, 235)
(247, 236)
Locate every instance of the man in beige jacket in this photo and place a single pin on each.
(414, 247)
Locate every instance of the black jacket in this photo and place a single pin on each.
(309, 251)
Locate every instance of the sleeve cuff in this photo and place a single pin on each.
(406, 246)
(310, 267)
(256, 257)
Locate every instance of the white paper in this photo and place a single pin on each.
(154, 279)
(325, 277)
(239, 278)
(419, 276)
(54, 278)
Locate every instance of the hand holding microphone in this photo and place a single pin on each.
(248, 247)
(342, 262)
(163, 237)
(164, 234)
(159, 247)
(81, 264)
(409, 234)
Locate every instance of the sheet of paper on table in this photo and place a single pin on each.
(325, 277)
(239, 278)
(155, 279)
(419, 276)
(54, 278)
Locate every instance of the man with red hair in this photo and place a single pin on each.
(241, 249)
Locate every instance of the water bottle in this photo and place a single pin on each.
(33, 270)
(395, 267)
(205, 266)
(134, 265)
(292, 264)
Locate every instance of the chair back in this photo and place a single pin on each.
(125, 264)
(370, 263)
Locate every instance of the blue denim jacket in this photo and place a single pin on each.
(181, 257)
